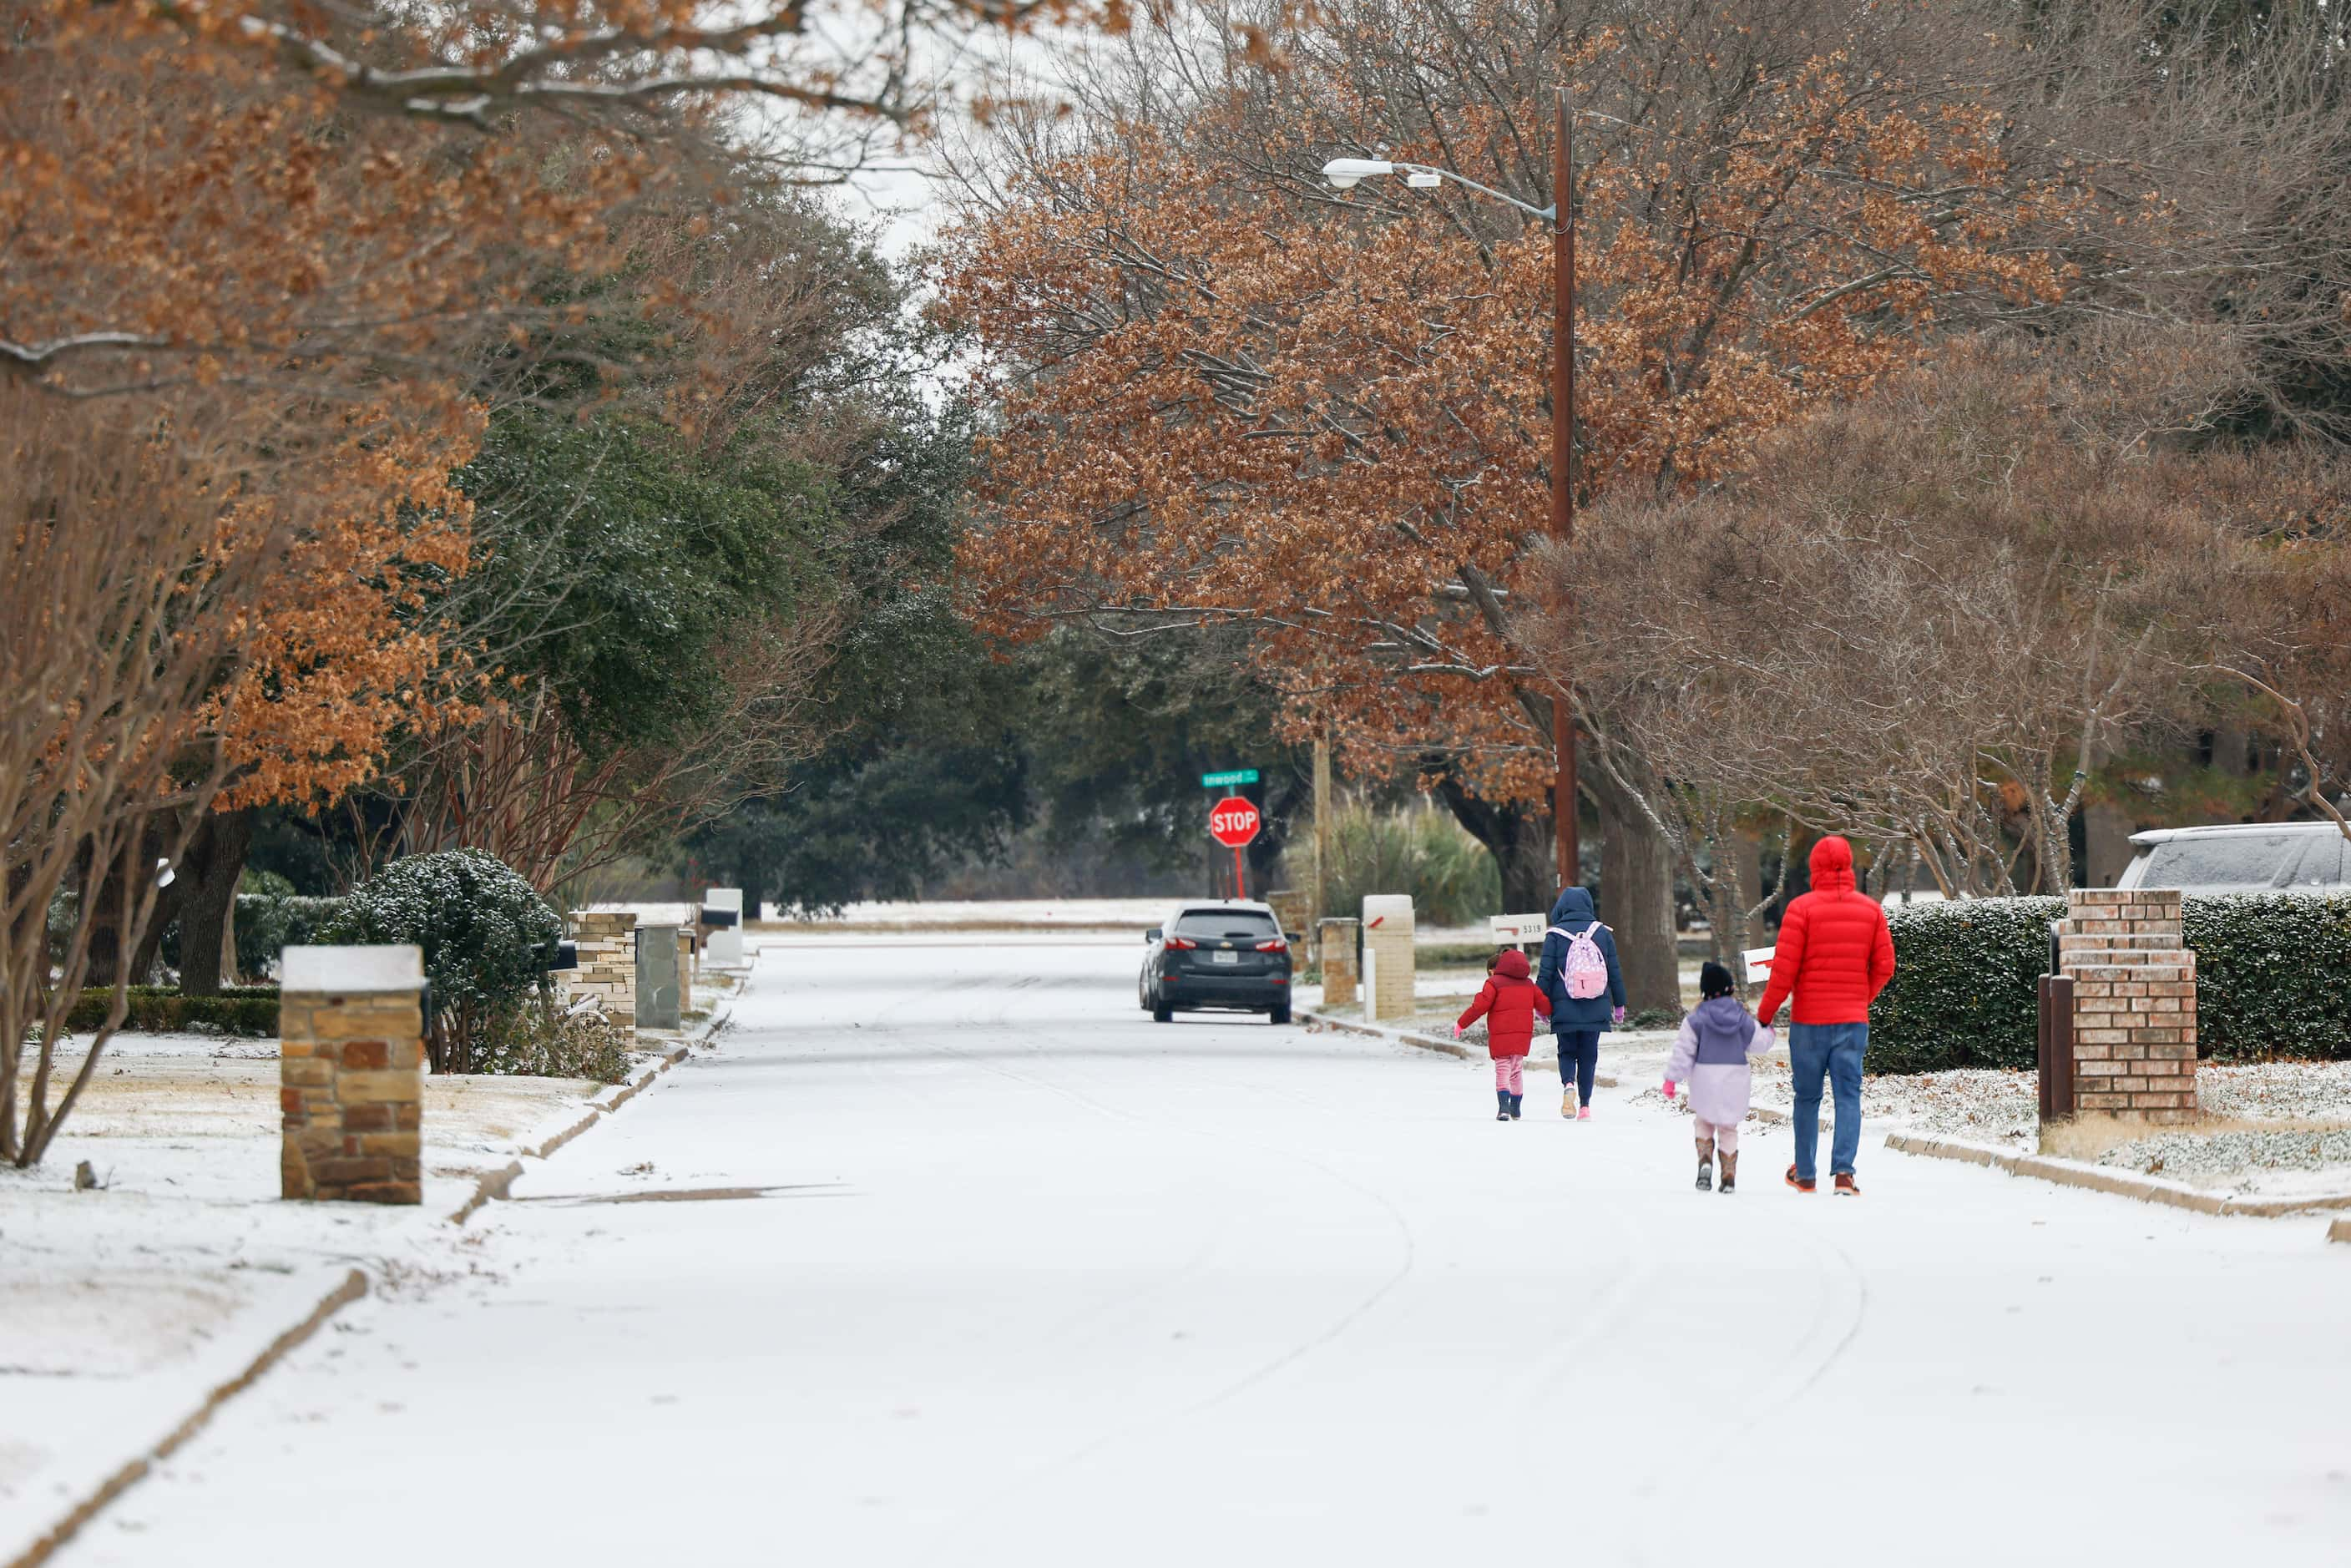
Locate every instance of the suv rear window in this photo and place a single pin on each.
(2240, 863)
(1230, 925)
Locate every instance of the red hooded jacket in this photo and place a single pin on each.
(1509, 1002)
(1834, 952)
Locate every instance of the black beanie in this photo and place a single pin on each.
(1714, 980)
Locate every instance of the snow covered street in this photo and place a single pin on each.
(949, 1255)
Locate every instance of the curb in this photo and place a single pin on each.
(354, 1285)
(495, 1185)
(2098, 1178)
(1430, 1042)
(1420, 1041)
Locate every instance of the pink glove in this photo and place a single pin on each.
(1669, 1088)
(1616, 1017)
(1456, 1031)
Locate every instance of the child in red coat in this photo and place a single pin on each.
(1509, 1002)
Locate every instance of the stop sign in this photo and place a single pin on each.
(1232, 821)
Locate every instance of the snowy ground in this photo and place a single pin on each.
(966, 1262)
(121, 1308)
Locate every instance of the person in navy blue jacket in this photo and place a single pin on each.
(1576, 1023)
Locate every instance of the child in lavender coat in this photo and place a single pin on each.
(1711, 1055)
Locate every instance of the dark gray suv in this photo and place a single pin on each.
(1230, 956)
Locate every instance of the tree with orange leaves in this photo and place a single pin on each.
(278, 248)
(1229, 393)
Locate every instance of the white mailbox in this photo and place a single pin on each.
(727, 940)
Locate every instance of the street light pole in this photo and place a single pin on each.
(1562, 448)
(1346, 172)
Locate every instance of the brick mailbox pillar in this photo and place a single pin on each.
(1336, 944)
(2133, 1004)
(350, 1073)
(607, 943)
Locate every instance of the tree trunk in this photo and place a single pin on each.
(206, 885)
(107, 959)
(1519, 840)
(1636, 886)
(2109, 849)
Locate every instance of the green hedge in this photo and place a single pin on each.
(2273, 976)
(2272, 979)
(1963, 990)
(250, 1011)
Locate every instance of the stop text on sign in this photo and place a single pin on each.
(1232, 821)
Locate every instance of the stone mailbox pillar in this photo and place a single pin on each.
(350, 1073)
(2133, 1004)
(607, 942)
(1289, 911)
(726, 941)
(1387, 957)
(660, 982)
(1336, 943)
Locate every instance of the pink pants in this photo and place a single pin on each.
(1510, 1074)
(1726, 1137)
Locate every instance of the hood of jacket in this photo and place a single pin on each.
(1833, 865)
(1722, 1029)
(1721, 1012)
(1514, 964)
(1574, 909)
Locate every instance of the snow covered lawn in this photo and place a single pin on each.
(122, 1307)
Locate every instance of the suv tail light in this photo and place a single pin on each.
(1181, 942)
(1276, 945)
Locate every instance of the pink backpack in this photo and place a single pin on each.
(1584, 970)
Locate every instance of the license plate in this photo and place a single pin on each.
(1221, 958)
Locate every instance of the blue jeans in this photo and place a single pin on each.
(1833, 1050)
(1579, 1058)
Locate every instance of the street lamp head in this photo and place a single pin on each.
(1343, 173)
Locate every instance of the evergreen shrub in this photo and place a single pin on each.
(2272, 974)
(487, 938)
(1964, 992)
(250, 1011)
(269, 923)
(2271, 980)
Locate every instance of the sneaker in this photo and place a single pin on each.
(1567, 1105)
(1584, 1114)
(1798, 1186)
(1844, 1188)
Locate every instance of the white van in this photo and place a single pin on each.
(2248, 857)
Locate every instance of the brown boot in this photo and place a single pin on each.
(1705, 1165)
(1730, 1171)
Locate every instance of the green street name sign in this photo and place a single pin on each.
(1235, 776)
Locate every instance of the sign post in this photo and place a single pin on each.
(1233, 822)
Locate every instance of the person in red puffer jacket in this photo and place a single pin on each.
(1834, 956)
(1509, 1002)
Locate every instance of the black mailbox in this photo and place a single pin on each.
(566, 957)
(719, 919)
